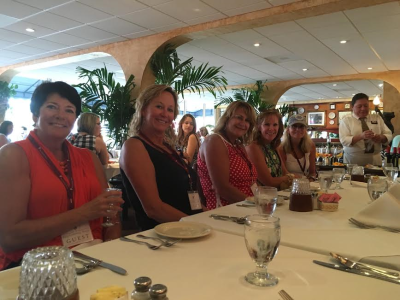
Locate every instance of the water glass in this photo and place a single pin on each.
(357, 174)
(325, 179)
(48, 273)
(376, 187)
(350, 168)
(392, 173)
(338, 175)
(266, 198)
(386, 165)
(262, 236)
(109, 222)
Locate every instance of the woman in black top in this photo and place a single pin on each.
(157, 180)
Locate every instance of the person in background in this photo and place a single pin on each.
(6, 128)
(157, 180)
(24, 132)
(363, 134)
(226, 173)
(297, 150)
(203, 133)
(49, 189)
(89, 136)
(263, 151)
(187, 141)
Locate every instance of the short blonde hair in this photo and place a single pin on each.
(305, 143)
(87, 122)
(143, 101)
(227, 115)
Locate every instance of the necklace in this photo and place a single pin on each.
(64, 166)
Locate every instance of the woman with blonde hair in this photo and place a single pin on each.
(297, 149)
(226, 173)
(187, 141)
(158, 182)
(6, 128)
(263, 150)
(89, 136)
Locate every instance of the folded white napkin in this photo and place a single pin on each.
(384, 211)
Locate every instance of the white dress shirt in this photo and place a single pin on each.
(349, 127)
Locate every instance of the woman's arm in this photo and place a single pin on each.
(3, 140)
(215, 154)
(139, 169)
(256, 156)
(18, 232)
(101, 148)
(192, 147)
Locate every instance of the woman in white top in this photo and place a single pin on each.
(6, 128)
(297, 149)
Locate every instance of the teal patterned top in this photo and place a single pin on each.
(272, 160)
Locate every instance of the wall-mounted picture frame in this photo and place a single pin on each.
(333, 106)
(347, 105)
(342, 114)
(316, 118)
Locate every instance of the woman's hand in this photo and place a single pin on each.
(106, 204)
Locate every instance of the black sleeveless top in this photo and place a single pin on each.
(172, 184)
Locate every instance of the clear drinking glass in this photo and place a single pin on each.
(109, 221)
(338, 175)
(266, 198)
(357, 174)
(262, 235)
(386, 165)
(350, 169)
(392, 173)
(325, 179)
(48, 273)
(376, 187)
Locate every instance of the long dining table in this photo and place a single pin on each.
(321, 231)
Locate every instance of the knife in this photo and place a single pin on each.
(355, 271)
(101, 263)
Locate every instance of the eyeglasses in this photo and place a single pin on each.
(298, 126)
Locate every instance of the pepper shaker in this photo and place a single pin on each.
(158, 292)
(142, 286)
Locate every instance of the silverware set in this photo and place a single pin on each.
(163, 243)
(89, 263)
(238, 220)
(366, 226)
(284, 295)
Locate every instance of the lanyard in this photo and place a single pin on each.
(68, 187)
(174, 156)
(303, 168)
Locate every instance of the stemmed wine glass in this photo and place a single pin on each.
(338, 175)
(350, 169)
(109, 222)
(266, 198)
(392, 173)
(325, 180)
(262, 235)
(376, 187)
(386, 165)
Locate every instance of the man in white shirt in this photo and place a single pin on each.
(363, 134)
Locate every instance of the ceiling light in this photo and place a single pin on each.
(353, 94)
(30, 29)
(376, 101)
(305, 69)
(335, 84)
(196, 9)
(343, 42)
(257, 45)
(381, 85)
(369, 68)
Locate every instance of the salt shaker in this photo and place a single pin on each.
(142, 286)
(158, 291)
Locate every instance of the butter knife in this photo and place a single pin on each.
(356, 271)
(238, 220)
(101, 263)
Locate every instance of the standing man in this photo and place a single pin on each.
(363, 134)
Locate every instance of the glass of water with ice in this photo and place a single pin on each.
(338, 175)
(266, 198)
(325, 180)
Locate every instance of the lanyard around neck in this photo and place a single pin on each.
(172, 156)
(68, 187)
(303, 168)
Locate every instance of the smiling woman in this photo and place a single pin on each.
(187, 141)
(50, 188)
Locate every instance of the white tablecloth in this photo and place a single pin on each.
(320, 231)
(213, 268)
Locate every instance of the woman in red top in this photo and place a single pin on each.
(226, 173)
(48, 187)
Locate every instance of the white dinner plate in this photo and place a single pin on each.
(183, 230)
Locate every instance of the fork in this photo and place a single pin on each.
(165, 243)
(365, 226)
(284, 295)
(238, 220)
(150, 246)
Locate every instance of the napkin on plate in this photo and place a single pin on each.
(384, 211)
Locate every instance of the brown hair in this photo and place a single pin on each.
(257, 136)
(227, 115)
(182, 140)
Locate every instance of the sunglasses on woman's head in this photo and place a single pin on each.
(298, 126)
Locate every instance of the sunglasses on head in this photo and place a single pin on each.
(298, 126)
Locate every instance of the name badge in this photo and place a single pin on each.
(254, 188)
(194, 200)
(78, 235)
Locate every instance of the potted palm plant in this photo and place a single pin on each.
(6, 92)
(113, 102)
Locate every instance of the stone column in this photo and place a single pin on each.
(391, 102)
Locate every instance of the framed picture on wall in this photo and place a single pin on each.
(347, 105)
(342, 114)
(316, 118)
(333, 106)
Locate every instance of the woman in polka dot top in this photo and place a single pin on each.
(226, 173)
